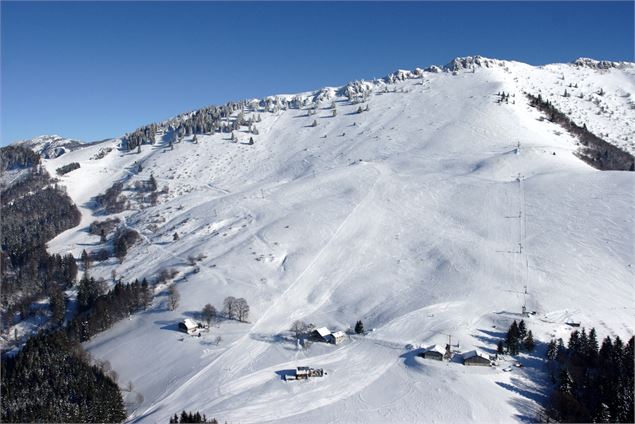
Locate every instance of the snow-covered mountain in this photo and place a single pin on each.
(428, 213)
(51, 146)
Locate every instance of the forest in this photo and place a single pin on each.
(593, 383)
(34, 211)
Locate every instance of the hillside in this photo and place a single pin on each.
(404, 216)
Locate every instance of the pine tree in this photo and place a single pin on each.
(552, 350)
(86, 261)
(146, 294)
(603, 415)
(592, 348)
(561, 351)
(512, 340)
(565, 382)
(175, 236)
(359, 327)
(522, 330)
(500, 348)
(121, 250)
(58, 306)
(314, 124)
(529, 343)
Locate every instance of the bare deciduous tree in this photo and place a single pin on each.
(173, 298)
(298, 327)
(208, 313)
(242, 310)
(229, 307)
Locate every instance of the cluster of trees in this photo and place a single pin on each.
(148, 185)
(594, 383)
(359, 327)
(517, 338)
(143, 135)
(596, 152)
(124, 238)
(18, 157)
(98, 310)
(503, 97)
(103, 228)
(190, 417)
(300, 328)
(51, 380)
(65, 169)
(233, 308)
(112, 201)
(237, 309)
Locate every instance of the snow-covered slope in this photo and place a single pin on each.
(405, 216)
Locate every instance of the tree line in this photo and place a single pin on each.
(596, 152)
(191, 417)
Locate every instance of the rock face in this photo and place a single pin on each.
(598, 64)
(470, 62)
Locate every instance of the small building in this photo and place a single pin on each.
(188, 326)
(338, 337)
(322, 334)
(304, 373)
(435, 352)
(475, 357)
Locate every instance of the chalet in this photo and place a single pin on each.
(338, 337)
(188, 326)
(474, 357)
(435, 352)
(322, 334)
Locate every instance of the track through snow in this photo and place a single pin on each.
(403, 216)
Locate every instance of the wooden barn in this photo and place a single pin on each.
(188, 326)
(322, 334)
(476, 358)
(435, 352)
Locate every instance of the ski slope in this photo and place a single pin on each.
(407, 216)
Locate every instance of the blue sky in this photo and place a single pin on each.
(92, 70)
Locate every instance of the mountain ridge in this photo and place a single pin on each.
(40, 143)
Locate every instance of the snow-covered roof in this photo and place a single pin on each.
(323, 331)
(436, 348)
(473, 353)
(339, 334)
(189, 324)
